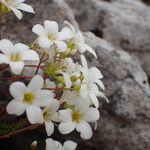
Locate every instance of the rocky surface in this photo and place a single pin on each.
(16, 30)
(124, 23)
(125, 121)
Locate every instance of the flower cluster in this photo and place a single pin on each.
(15, 5)
(61, 92)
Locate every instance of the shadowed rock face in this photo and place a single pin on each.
(124, 122)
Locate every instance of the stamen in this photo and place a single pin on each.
(28, 98)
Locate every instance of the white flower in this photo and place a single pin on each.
(49, 35)
(71, 70)
(89, 88)
(16, 55)
(92, 75)
(75, 98)
(50, 114)
(79, 41)
(56, 145)
(78, 119)
(92, 91)
(15, 5)
(71, 67)
(29, 99)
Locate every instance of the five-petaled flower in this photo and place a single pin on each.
(29, 99)
(50, 114)
(16, 55)
(49, 35)
(78, 119)
(15, 6)
(78, 41)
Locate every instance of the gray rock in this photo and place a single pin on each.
(124, 23)
(21, 31)
(124, 123)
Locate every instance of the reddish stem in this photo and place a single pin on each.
(15, 78)
(57, 89)
(39, 63)
(41, 67)
(45, 59)
(31, 127)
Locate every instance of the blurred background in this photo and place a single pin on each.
(119, 31)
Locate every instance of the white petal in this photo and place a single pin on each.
(68, 82)
(66, 127)
(65, 34)
(43, 98)
(30, 55)
(94, 100)
(84, 91)
(20, 1)
(70, 26)
(58, 145)
(103, 95)
(17, 90)
(34, 114)
(69, 145)
(25, 7)
(89, 49)
(80, 48)
(85, 130)
(17, 12)
(39, 30)
(68, 96)
(97, 73)
(15, 107)
(16, 67)
(65, 115)
(80, 37)
(54, 105)
(21, 47)
(51, 26)
(50, 144)
(6, 46)
(3, 59)
(55, 117)
(61, 46)
(91, 115)
(82, 105)
(100, 83)
(44, 42)
(83, 61)
(49, 126)
(36, 83)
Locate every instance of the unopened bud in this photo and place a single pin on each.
(34, 145)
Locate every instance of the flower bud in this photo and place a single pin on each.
(34, 145)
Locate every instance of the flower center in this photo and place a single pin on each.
(4, 9)
(15, 57)
(71, 45)
(28, 98)
(77, 116)
(52, 37)
(46, 115)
